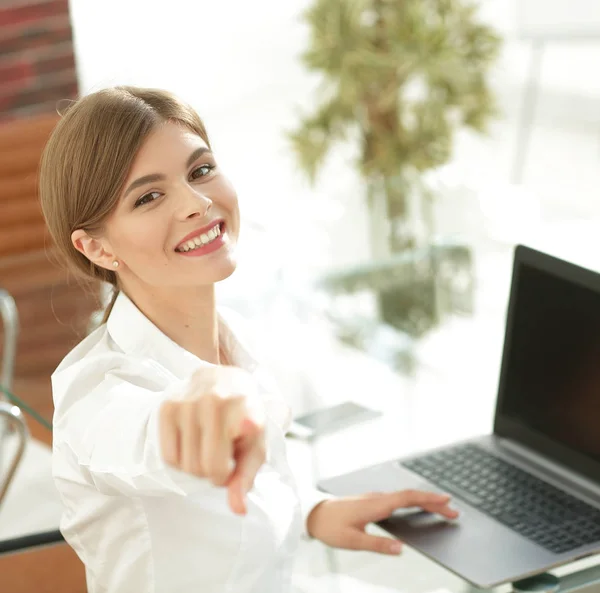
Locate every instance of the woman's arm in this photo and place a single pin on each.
(127, 438)
(112, 436)
(310, 499)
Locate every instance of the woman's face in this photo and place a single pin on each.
(177, 220)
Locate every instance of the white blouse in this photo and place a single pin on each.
(137, 524)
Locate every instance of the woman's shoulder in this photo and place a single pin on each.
(97, 370)
(96, 345)
(90, 364)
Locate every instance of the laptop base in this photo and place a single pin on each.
(475, 547)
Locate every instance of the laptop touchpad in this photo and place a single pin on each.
(421, 519)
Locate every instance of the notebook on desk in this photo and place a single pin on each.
(529, 493)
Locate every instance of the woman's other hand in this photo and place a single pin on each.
(341, 522)
(216, 431)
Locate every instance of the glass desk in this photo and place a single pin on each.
(451, 397)
(444, 402)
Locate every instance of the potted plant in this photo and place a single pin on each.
(399, 77)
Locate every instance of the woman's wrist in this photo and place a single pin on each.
(313, 518)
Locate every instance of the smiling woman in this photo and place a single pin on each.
(142, 182)
(175, 194)
(168, 445)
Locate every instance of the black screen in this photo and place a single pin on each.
(552, 379)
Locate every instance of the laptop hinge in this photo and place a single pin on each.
(567, 479)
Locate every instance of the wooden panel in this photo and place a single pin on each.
(19, 212)
(54, 311)
(51, 569)
(19, 161)
(21, 186)
(37, 71)
(24, 272)
(27, 133)
(54, 308)
(36, 392)
(24, 237)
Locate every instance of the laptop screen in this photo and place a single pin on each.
(551, 374)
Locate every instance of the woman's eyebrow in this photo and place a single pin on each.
(143, 181)
(198, 152)
(158, 176)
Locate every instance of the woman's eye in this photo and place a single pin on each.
(201, 171)
(149, 197)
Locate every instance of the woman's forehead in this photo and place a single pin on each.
(168, 143)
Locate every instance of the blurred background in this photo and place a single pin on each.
(388, 156)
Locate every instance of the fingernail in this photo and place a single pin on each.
(396, 548)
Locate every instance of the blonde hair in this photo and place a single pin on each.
(87, 159)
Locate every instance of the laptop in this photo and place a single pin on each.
(529, 494)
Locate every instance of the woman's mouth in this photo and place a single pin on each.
(204, 243)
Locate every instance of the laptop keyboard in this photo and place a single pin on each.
(537, 510)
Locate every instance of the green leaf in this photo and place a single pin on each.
(369, 52)
(313, 138)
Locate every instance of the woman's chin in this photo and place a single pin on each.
(225, 269)
(226, 274)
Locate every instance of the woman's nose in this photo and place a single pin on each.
(194, 204)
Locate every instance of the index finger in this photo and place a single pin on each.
(250, 456)
(428, 501)
(216, 446)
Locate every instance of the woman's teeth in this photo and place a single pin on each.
(201, 240)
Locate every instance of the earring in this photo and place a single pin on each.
(115, 264)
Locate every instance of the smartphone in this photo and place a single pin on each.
(329, 420)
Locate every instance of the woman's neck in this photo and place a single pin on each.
(188, 317)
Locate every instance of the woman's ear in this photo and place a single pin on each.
(96, 250)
